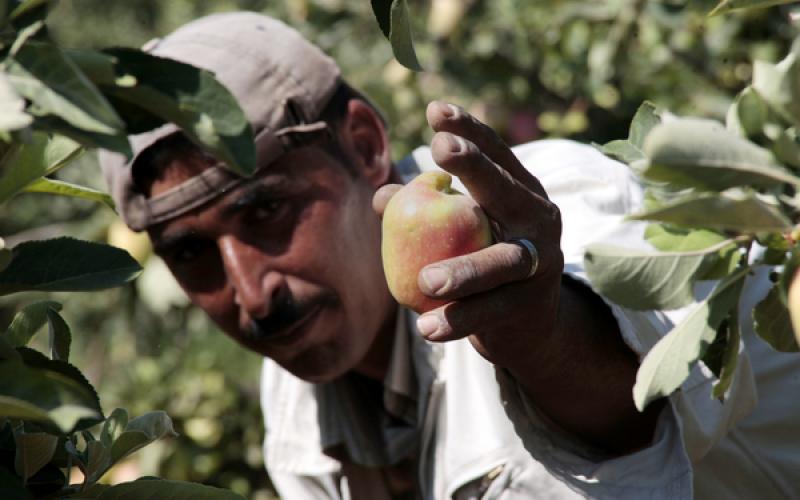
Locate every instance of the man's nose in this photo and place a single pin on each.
(255, 285)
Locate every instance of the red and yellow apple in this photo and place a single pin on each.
(424, 222)
(793, 301)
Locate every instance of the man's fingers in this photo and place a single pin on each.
(477, 272)
(445, 117)
(504, 198)
(382, 197)
(496, 311)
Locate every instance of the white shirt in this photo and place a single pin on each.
(475, 433)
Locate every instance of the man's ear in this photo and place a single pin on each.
(363, 133)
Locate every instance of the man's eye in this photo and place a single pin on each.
(188, 252)
(268, 210)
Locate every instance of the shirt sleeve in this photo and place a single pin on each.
(594, 193)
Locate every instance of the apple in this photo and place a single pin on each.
(793, 301)
(424, 222)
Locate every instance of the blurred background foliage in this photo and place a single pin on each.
(530, 69)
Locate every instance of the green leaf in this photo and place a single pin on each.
(26, 162)
(54, 124)
(729, 5)
(66, 264)
(114, 426)
(673, 239)
(723, 212)
(645, 119)
(60, 336)
(34, 451)
(400, 36)
(98, 461)
(645, 280)
(38, 361)
(383, 14)
(28, 321)
(668, 238)
(140, 432)
(786, 147)
(748, 114)
(393, 19)
(730, 356)
(46, 396)
(190, 98)
(727, 261)
(669, 362)
(29, 11)
(630, 150)
(622, 150)
(779, 85)
(41, 73)
(51, 186)
(697, 153)
(157, 489)
(772, 322)
(13, 116)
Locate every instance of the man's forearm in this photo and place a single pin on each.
(590, 375)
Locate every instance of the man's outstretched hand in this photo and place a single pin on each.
(557, 339)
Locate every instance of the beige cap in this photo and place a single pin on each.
(282, 83)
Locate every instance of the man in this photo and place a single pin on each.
(520, 387)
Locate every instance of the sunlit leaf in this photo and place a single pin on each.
(725, 212)
(645, 280)
(673, 239)
(779, 84)
(52, 186)
(773, 324)
(28, 321)
(786, 147)
(26, 162)
(668, 363)
(190, 98)
(13, 116)
(140, 432)
(114, 426)
(630, 150)
(66, 264)
(729, 5)
(702, 154)
(42, 74)
(748, 114)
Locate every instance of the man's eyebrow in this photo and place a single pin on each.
(165, 242)
(255, 193)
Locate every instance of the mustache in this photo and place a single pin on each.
(286, 310)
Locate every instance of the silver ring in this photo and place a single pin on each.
(531, 248)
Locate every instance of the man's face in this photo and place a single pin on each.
(288, 264)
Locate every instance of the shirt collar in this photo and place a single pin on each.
(374, 434)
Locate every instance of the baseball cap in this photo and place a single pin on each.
(282, 83)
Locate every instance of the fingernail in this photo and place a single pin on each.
(427, 324)
(446, 110)
(456, 143)
(436, 279)
(454, 111)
